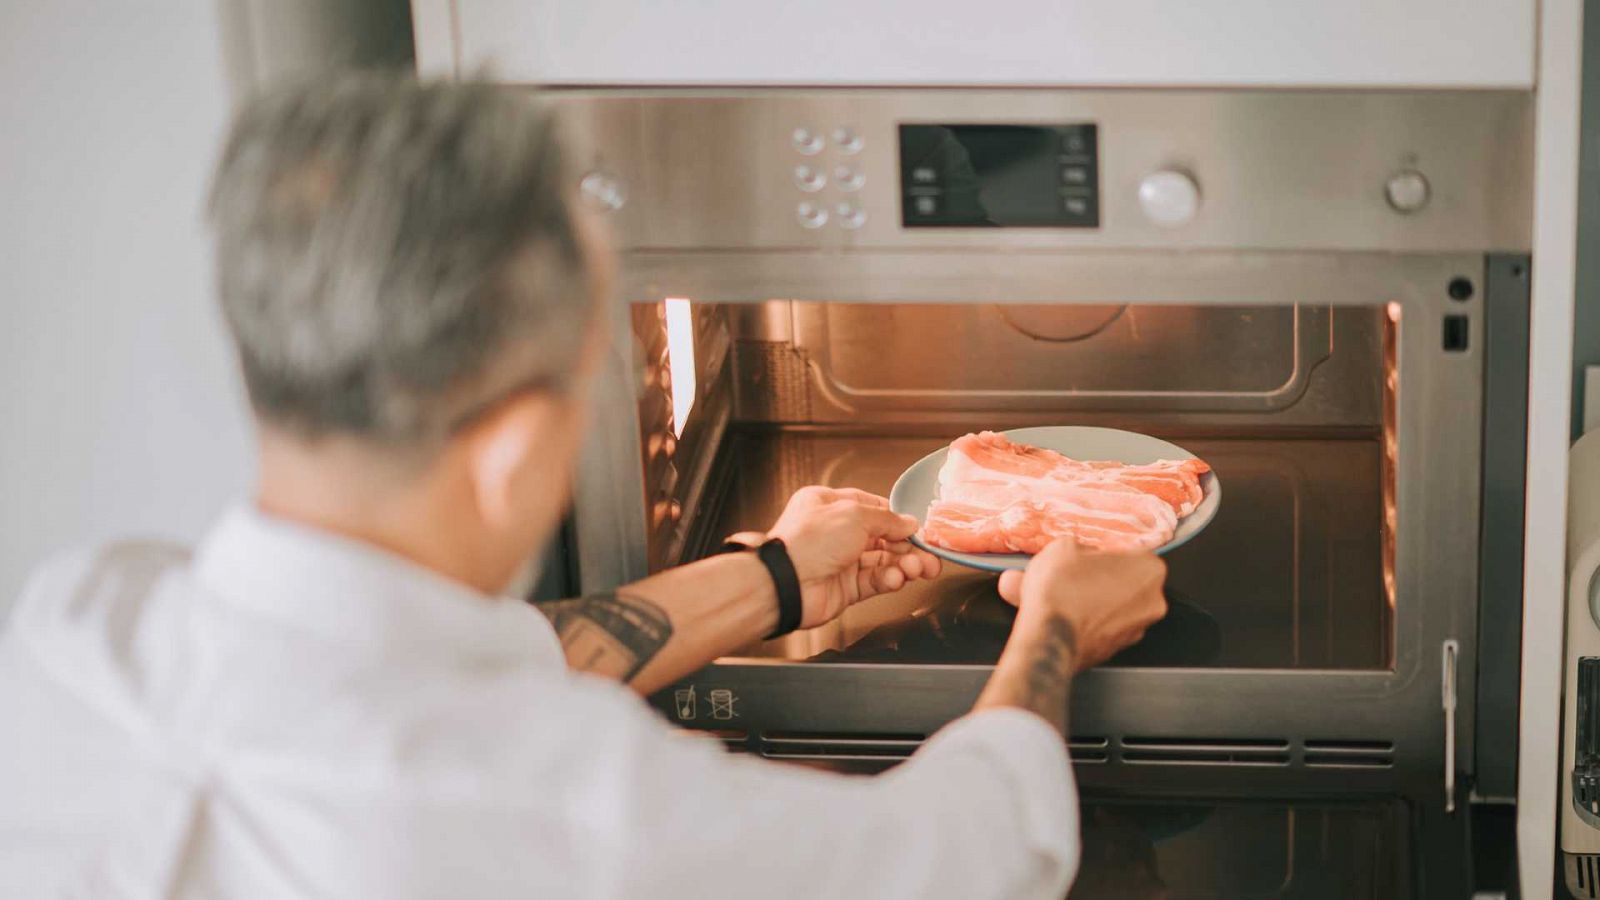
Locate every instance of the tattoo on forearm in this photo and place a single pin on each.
(1049, 671)
(614, 634)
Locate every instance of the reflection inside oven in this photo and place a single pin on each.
(1292, 406)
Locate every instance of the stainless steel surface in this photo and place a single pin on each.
(1171, 278)
(1288, 576)
(1282, 170)
(912, 363)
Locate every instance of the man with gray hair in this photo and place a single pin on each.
(333, 697)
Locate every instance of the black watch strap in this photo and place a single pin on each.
(774, 555)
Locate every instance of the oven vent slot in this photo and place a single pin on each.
(844, 747)
(1206, 751)
(1349, 754)
(1583, 875)
(1089, 749)
(864, 747)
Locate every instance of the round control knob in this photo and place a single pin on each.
(848, 179)
(603, 191)
(1407, 191)
(806, 141)
(847, 140)
(811, 215)
(1169, 198)
(850, 216)
(809, 179)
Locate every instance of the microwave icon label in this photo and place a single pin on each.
(722, 701)
(686, 702)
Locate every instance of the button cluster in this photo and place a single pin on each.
(845, 177)
(1080, 175)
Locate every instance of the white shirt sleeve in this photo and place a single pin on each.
(987, 809)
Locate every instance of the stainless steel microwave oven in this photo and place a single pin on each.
(1323, 293)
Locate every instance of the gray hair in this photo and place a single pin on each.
(394, 256)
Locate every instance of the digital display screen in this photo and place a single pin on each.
(999, 176)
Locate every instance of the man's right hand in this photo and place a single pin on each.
(1107, 599)
(1076, 609)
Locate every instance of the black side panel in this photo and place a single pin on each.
(1505, 420)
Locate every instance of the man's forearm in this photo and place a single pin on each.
(651, 633)
(1035, 672)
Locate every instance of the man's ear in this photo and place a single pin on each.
(506, 454)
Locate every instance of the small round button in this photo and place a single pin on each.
(848, 179)
(1169, 198)
(806, 141)
(603, 191)
(850, 216)
(1407, 191)
(809, 179)
(847, 140)
(811, 215)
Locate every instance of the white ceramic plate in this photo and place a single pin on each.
(919, 485)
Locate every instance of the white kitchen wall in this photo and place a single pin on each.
(1444, 43)
(120, 412)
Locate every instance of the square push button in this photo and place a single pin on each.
(925, 206)
(1075, 206)
(1075, 176)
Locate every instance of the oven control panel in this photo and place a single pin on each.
(918, 170)
(999, 176)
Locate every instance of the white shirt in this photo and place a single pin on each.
(293, 714)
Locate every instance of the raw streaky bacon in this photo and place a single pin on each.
(998, 496)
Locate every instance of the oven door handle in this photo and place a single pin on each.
(1447, 690)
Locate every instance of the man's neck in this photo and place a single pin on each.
(347, 489)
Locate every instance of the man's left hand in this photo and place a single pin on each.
(847, 545)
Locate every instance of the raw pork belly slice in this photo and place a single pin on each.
(996, 496)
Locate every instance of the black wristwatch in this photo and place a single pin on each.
(775, 557)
